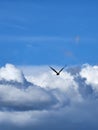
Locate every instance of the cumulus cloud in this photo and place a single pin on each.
(90, 73)
(21, 98)
(11, 73)
(33, 97)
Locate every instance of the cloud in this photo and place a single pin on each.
(91, 74)
(31, 39)
(15, 95)
(10, 73)
(33, 97)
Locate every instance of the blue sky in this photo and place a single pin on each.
(48, 32)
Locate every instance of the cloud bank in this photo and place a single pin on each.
(33, 97)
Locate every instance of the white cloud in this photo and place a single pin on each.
(91, 74)
(11, 73)
(49, 101)
(21, 98)
(64, 83)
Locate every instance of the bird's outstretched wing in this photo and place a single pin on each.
(53, 69)
(62, 69)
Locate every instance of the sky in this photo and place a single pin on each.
(48, 32)
(36, 34)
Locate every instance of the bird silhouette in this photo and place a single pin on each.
(57, 72)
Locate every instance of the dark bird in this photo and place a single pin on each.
(57, 72)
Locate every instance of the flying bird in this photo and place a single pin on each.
(57, 72)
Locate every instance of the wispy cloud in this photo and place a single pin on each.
(31, 39)
(34, 38)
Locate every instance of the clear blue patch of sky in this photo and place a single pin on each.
(48, 32)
